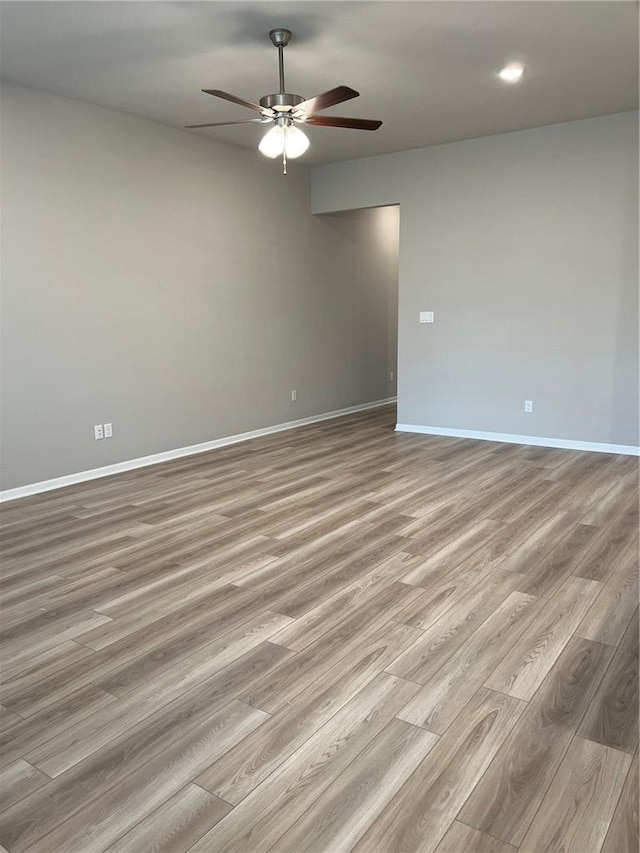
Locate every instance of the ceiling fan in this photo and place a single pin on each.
(286, 111)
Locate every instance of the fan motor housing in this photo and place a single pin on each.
(281, 101)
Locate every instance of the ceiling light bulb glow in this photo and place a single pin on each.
(272, 143)
(295, 142)
(285, 139)
(511, 73)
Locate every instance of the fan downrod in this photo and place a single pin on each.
(281, 101)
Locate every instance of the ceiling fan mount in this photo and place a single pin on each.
(280, 37)
(284, 110)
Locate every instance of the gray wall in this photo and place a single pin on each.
(174, 286)
(526, 247)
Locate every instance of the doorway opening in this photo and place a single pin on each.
(371, 240)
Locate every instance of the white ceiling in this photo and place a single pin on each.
(427, 69)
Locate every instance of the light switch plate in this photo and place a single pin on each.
(426, 316)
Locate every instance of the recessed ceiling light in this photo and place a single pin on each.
(512, 72)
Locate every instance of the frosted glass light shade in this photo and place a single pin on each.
(272, 143)
(295, 142)
(279, 139)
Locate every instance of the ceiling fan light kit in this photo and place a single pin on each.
(285, 111)
(284, 139)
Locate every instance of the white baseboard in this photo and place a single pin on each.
(156, 458)
(538, 441)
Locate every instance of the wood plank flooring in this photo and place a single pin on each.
(330, 639)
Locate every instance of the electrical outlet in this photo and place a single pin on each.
(98, 432)
(528, 405)
(391, 377)
(108, 430)
(294, 396)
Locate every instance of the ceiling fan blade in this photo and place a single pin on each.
(327, 99)
(223, 123)
(234, 100)
(340, 121)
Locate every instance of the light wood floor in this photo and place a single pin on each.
(334, 638)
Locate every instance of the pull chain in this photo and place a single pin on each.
(284, 161)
